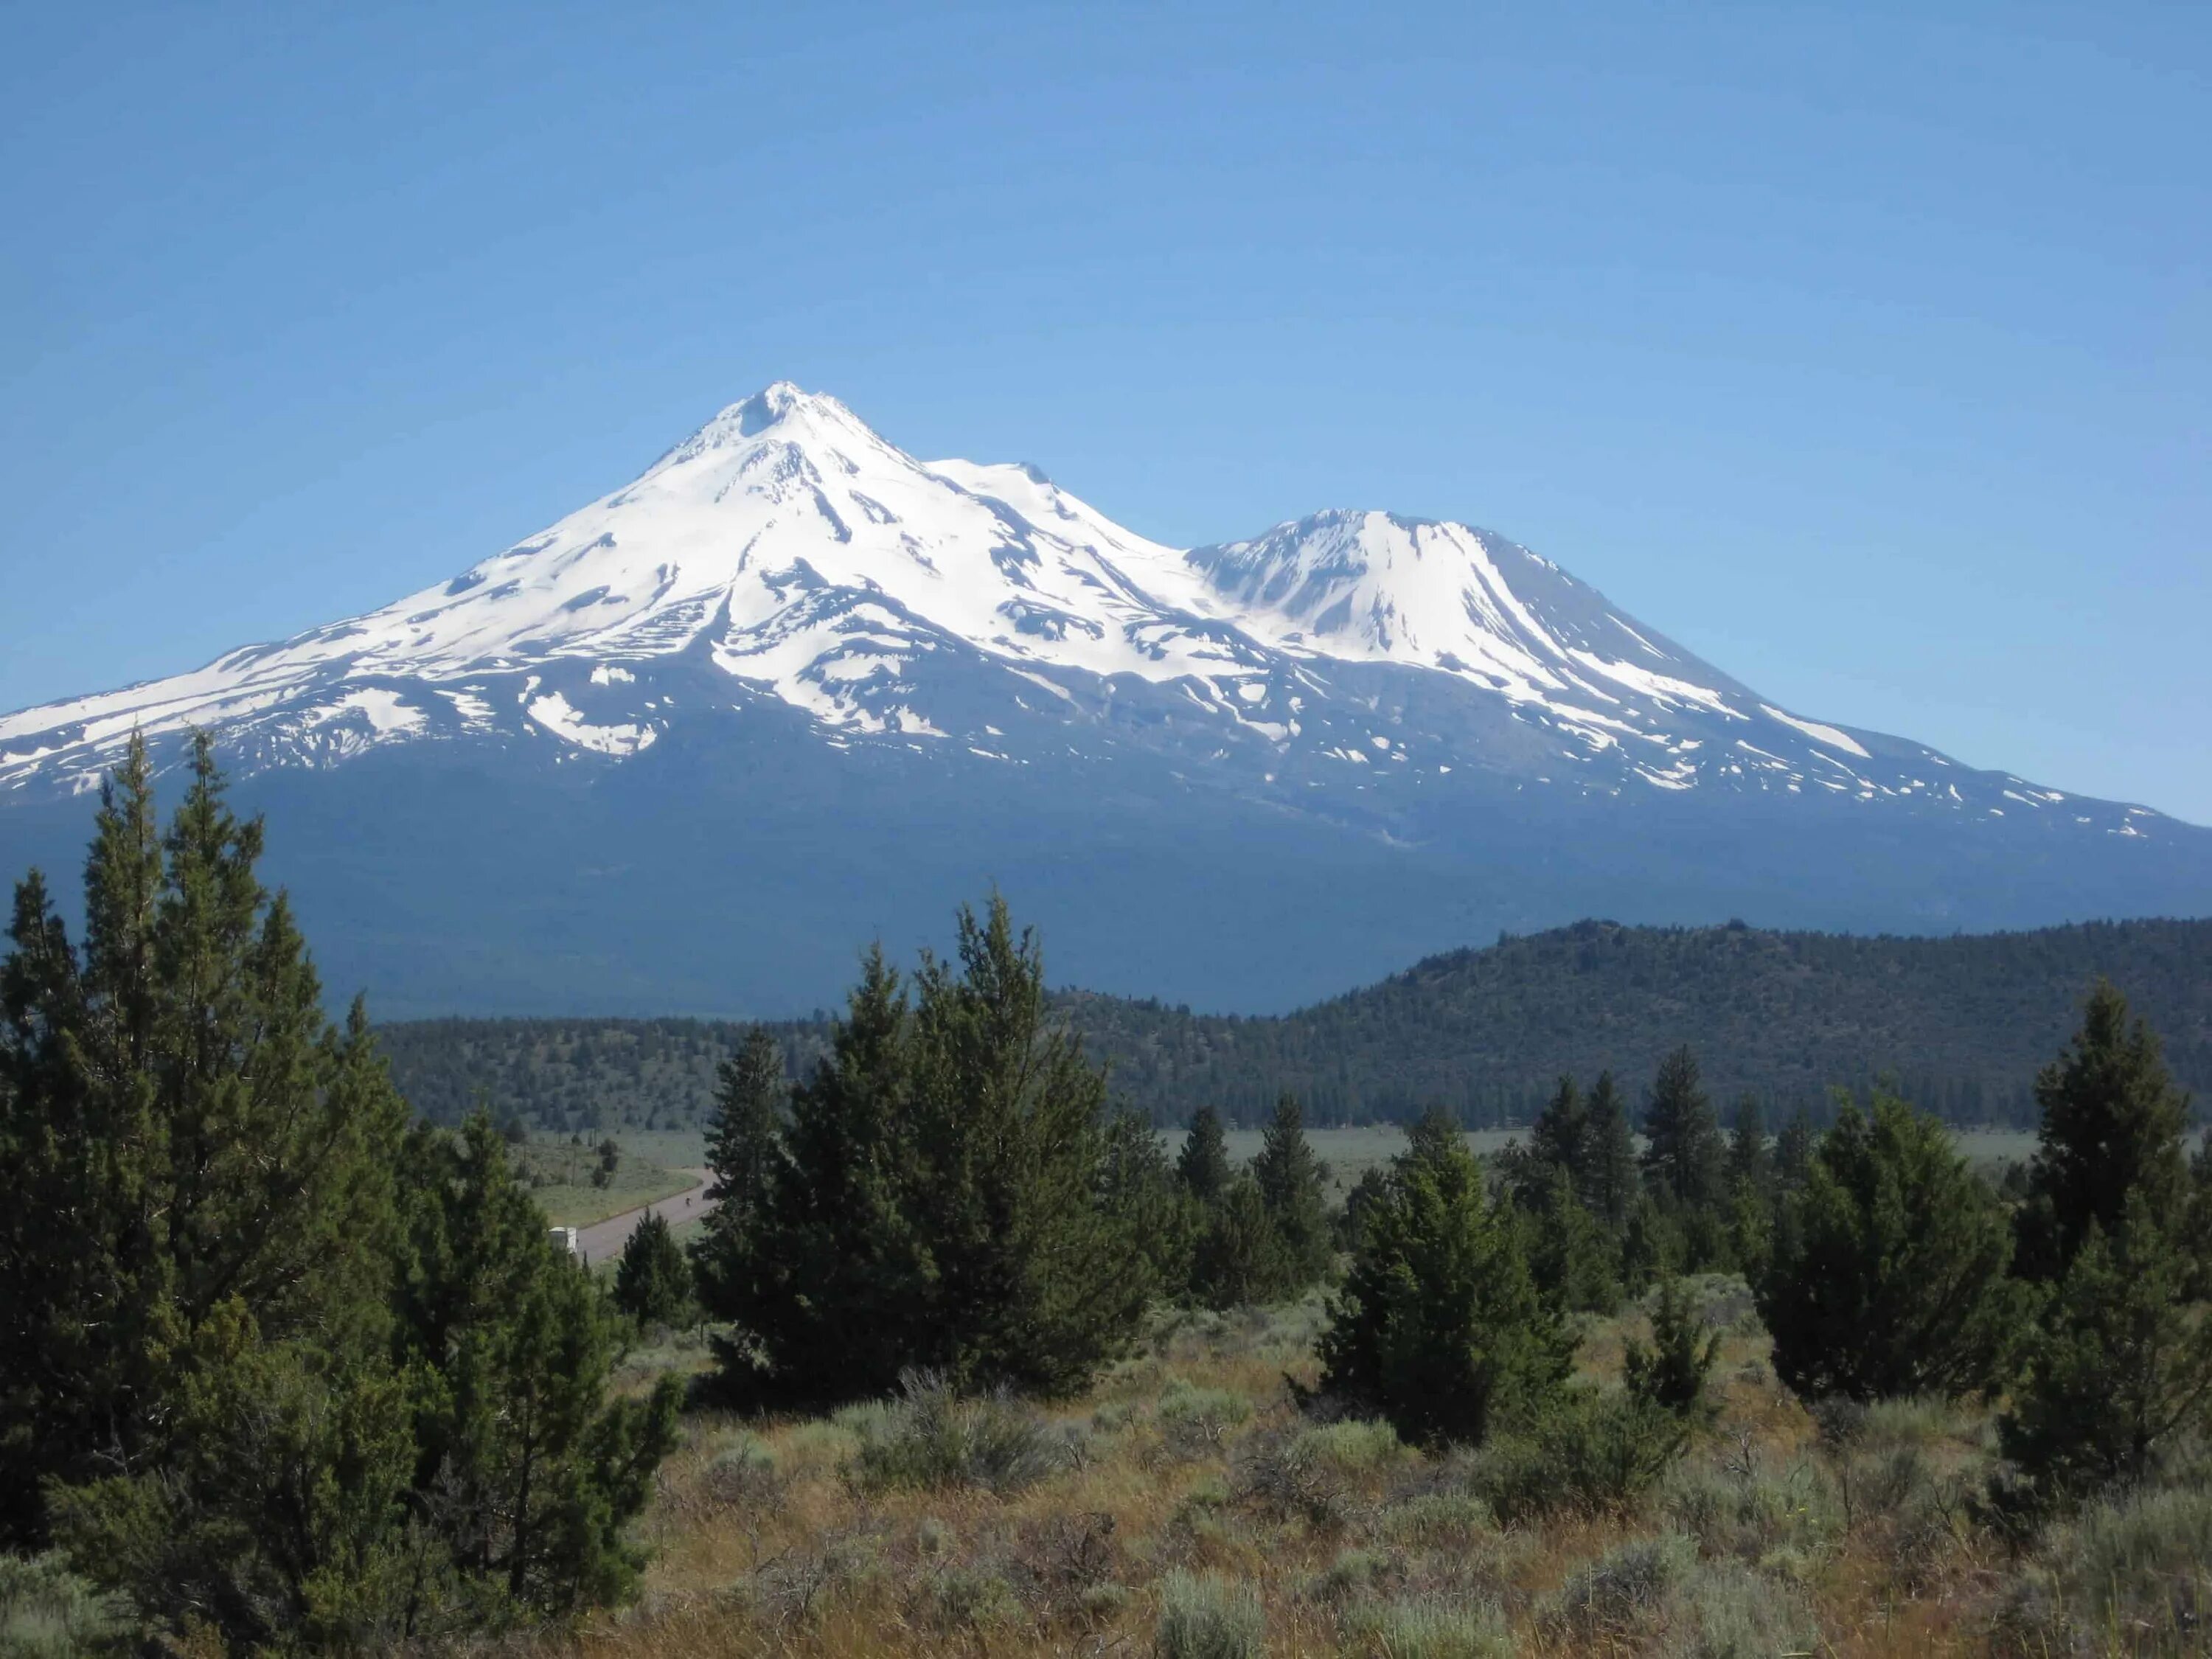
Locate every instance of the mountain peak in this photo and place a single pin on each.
(785, 554)
(780, 410)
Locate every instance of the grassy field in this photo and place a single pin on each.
(673, 1149)
(1349, 1153)
(559, 1177)
(1186, 1508)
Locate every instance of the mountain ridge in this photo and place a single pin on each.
(1960, 1025)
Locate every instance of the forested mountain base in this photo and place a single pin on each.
(1958, 1025)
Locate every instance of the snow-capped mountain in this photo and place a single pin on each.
(786, 583)
(801, 557)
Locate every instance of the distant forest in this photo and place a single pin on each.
(1958, 1025)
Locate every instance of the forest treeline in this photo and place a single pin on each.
(1957, 1026)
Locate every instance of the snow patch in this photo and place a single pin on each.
(558, 715)
(1818, 732)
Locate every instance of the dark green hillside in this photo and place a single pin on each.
(1961, 1024)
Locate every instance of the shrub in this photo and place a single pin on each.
(47, 1612)
(1438, 1519)
(1203, 1616)
(1426, 1627)
(1594, 1452)
(1657, 1586)
(1740, 1511)
(1726, 1611)
(1193, 1419)
(742, 1475)
(1284, 1475)
(1353, 1572)
(931, 1437)
(965, 1598)
(1356, 1446)
(1627, 1587)
(2131, 1575)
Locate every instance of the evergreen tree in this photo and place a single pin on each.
(1684, 1160)
(1751, 1189)
(2121, 1363)
(1203, 1164)
(1033, 1288)
(276, 1521)
(653, 1280)
(1140, 1189)
(282, 1385)
(1652, 1247)
(745, 1157)
(826, 1278)
(1240, 1259)
(743, 1134)
(946, 1194)
(1358, 1204)
(1439, 1328)
(2195, 1231)
(524, 1467)
(1560, 1137)
(1611, 1187)
(1892, 1277)
(191, 1151)
(1750, 1167)
(2112, 1123)
(1293, 1184)
(1793, 1151)
(1671, 1372)
(1571, 1257)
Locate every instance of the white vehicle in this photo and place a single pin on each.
(565, 1238)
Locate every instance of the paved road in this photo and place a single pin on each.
(603, 1240)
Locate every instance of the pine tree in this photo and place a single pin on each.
(1240, 1259)
(188, 1143)
(1033, 1288)
(1439, 1328)
(1683, 1158)
(1671, 1372)
(1571, 1257)
(1140, 1189)
(1560, 1135)
(825, 1277)
(1203, 1164)
(2112, 1123)
(1612, 1186)
(526, 1469)
(1793, 1151)
(1750, 1167)
(745, 1157)
(1652, 1247)
(1890, 1278)
(2121, 1363)
(653, 1280)
(1292, 1185)
(279, 1384)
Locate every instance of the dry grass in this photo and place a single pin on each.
(1187, 1478)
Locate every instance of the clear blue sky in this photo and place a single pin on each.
(1863, 348)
